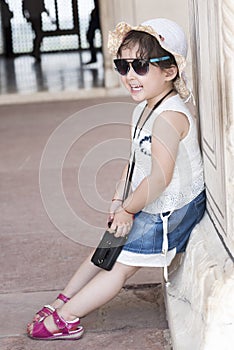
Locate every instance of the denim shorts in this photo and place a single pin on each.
(146, 235)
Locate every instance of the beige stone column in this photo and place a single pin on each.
(228, 103)
(112, 12)
(200, 298)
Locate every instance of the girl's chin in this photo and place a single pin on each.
(137, 96)
(138, 99)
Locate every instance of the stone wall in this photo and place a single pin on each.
(200, 298)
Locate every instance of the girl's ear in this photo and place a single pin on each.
(171, 73)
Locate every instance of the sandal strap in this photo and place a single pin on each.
(40, 331)
(63, 298)
(70, 330)
(46, 311)
(63, 325)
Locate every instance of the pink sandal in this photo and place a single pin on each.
(68, 330)
(47, 310)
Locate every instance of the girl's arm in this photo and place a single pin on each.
(118, 195)
(168, 130)
(120, 185)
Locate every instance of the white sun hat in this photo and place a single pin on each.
(170, 36)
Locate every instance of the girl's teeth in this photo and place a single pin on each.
(136, 88)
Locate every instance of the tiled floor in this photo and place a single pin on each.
(37, 258)
(56, 72)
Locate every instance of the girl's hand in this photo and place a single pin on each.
(122, 223)
(115, 204)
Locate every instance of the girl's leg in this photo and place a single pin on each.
(82, 276)
(101, 289)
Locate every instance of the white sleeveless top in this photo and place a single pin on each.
(187, 180)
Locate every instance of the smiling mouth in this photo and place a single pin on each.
(136, 87)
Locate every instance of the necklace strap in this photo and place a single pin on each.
(150, 113)
(131, 164)
(160, 101)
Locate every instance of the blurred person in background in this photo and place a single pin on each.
(94, 24)
(6, 16)
(32, 11)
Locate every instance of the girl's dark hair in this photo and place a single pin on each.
(148, 47)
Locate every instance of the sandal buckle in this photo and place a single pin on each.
(59, 321)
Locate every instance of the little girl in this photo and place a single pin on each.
(167, 198)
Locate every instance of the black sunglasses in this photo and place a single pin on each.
(140, 66)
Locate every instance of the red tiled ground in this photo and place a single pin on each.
(37, 259)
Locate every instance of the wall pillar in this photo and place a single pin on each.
(113, 12)
(200, 299)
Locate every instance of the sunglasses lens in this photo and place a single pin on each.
(122, 66)
(140, 66)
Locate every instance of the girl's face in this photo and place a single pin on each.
(149, 87)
